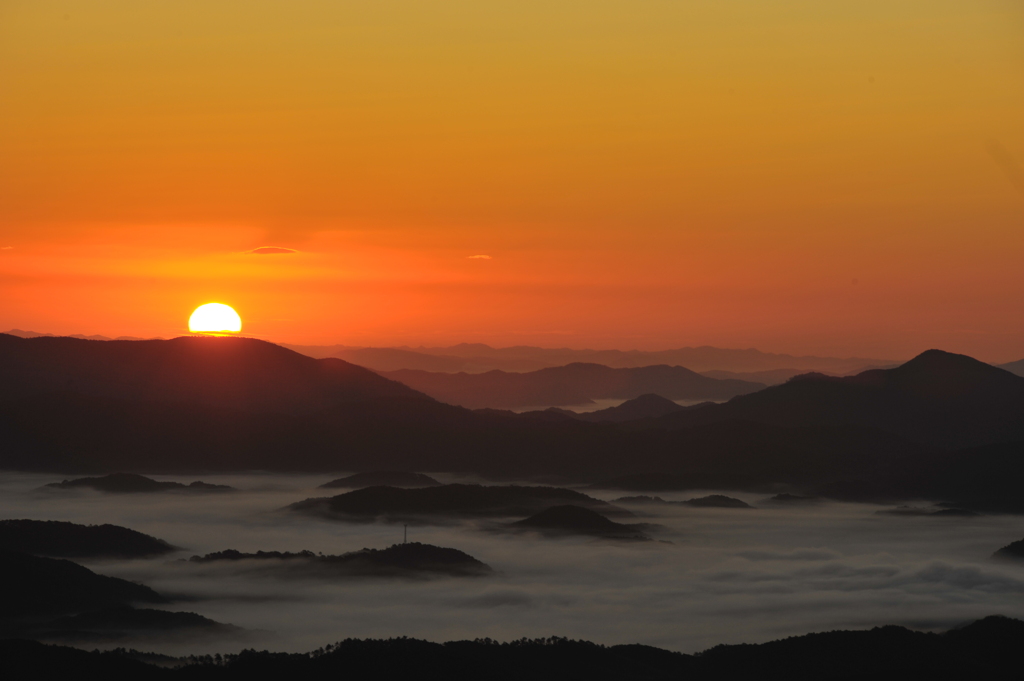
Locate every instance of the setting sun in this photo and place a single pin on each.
(214, 318)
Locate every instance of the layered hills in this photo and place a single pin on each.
(572, 384)
(942, 426)
(480, 358)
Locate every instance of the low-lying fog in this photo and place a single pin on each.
(728, 576)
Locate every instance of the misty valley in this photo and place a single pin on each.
(184, 505)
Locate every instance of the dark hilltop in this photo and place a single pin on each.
(467, 501)
(409, 559)
(69, 540)
(131, 483)
(1012, 551)
(577, 520)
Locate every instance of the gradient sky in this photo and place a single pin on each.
(839, 177)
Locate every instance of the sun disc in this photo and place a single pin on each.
(214, 318)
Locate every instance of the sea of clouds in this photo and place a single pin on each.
(714, 576)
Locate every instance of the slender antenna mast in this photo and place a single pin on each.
(405, 535)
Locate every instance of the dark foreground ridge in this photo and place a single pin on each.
(379, 478)
(131, 483)
(410, 559)
(34, 586)
(69, 540)
(394, 503)
(986, 648)
(571, 519)
(53, 599)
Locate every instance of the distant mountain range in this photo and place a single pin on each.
(479, 358)
(942, 426)
(573, 384)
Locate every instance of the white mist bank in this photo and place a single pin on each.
(728, 575)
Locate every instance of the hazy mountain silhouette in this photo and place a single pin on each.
(69, 540)
(716, 501)
(987, 648)
(130, 624)
(239, 373)
(1014, 367)
(710, 501)
(936, 398)
(409, 559)
(787, 498)
(34, 586)
(570, 519)
(769, 377)
(132, 483)
(643, 407)
(568, 385)
(479, 358)
(382, 478)
(447, 500)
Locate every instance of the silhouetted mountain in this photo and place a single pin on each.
(936, 398)
(987, 648)
(131, 483)
(643, 407)
(569, 519)
(446, 500)
(240, 373)
(1014, 367)
(477, 358)
(33, 586)
(410, 559)
(1013, 550)
(382, 478)
(568, 385)
(69, 540)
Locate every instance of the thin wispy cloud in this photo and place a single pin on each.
(270, 250)
(479, 257)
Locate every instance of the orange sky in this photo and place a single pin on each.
(838, 177)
